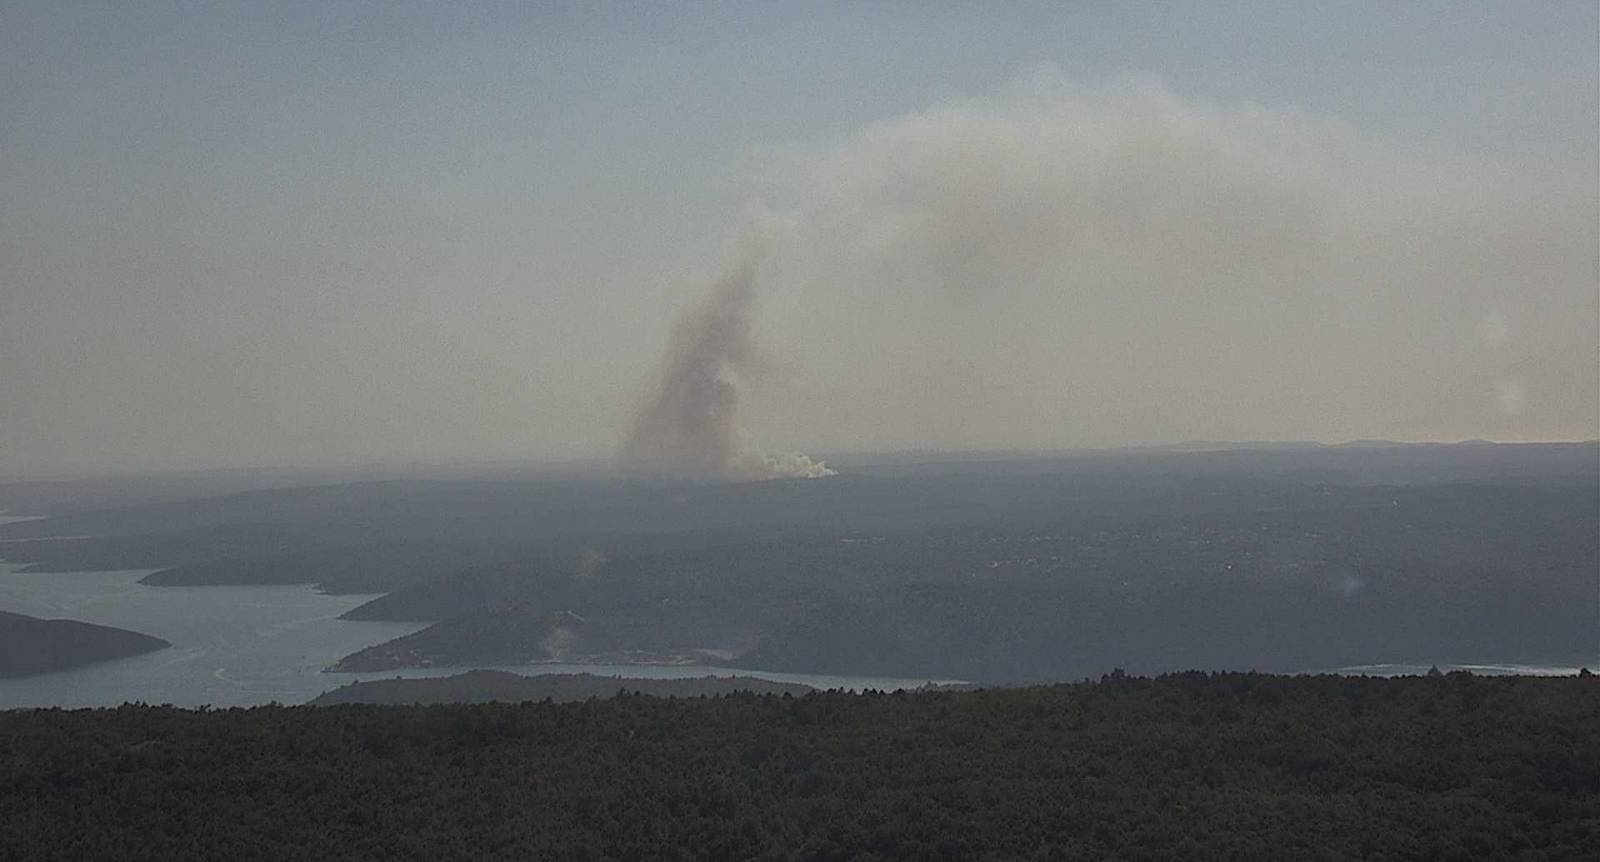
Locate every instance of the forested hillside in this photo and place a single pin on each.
(1182, 767)
(486, 686)
(30, 645)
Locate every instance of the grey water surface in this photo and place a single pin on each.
(246, 645)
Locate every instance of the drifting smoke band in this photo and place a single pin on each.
(690, 427)
(1056, 264)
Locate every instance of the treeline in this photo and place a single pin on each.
(1181, 767)
(486, 686)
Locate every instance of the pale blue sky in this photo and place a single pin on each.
(330, 232)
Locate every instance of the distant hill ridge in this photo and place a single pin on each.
(29, 645)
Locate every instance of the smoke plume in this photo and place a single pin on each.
(1057, 263)
(690, 425)
(1095, 265)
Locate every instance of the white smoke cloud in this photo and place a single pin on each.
(793, 465)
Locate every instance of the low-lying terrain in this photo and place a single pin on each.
(988, 569)
(1272, 578)
(1182, 767)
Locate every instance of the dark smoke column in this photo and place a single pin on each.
(689, 427)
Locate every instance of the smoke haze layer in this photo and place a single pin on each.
(1058, 263)
(332, 237)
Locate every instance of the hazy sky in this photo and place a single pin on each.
(320, 232)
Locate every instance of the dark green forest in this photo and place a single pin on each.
(1184, 766)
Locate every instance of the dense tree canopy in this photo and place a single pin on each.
(1185, 766)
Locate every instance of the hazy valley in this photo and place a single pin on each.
(997, 569)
